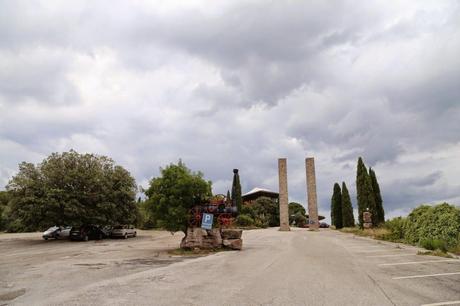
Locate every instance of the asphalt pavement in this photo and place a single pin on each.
(300, 267)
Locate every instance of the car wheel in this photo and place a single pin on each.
(46, 238)
(86, 238)
(126, 235)
(135, 234)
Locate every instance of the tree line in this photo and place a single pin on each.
(70, 188)
(369, 198)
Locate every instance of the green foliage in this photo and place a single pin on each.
(432, 227)
(379, 211)
(440, 222)
(70, 188)
(300, 219)
(433, 244)
(264, 211)
(412, 228)
(146, 219)
(174, 193)
(298, 214)
(365, 193)
(336, 207)
(396, 229)
(296, 208)
(5, 197)
(236, 190)
(348, 219)
(244, 220)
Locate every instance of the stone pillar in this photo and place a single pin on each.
(283, 195)
(311, 193)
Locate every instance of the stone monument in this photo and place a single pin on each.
(311, 193)
(367, 218)
(283, 195)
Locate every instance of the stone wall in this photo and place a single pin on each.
(197, 237)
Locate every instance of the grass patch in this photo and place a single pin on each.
(196, 252)
(377, 233)
(435, 253)
(455, 250)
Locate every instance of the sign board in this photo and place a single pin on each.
(206, 222)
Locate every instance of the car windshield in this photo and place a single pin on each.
(119, 227)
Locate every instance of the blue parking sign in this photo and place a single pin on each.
(206, 222)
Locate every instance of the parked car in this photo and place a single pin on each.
(323, 225)
(124, 231)
(57, 232)
(87, 232)
(107, 230)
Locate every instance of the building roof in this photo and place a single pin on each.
(259, 190)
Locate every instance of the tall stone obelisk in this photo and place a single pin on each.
(283, 195)
(311, 190)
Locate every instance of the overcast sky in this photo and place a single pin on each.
(238, 84)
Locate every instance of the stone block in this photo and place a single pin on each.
(234, 244)
(230, 233)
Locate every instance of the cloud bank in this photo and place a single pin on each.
(237, 85)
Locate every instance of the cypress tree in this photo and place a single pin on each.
(229, 199)
(336, 207)
(347, 208)
(365, 193)
(361, 174)
(371, 200)
(380, 213)
(237, 200)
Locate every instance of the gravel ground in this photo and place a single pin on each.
(33, 270)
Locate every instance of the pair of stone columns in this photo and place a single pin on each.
(311, 194)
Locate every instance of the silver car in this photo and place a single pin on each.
(57, 232)
(124, 231)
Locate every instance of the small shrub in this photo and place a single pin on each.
(433, 244)
(244, 220)
(396, 229)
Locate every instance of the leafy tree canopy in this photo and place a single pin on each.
(174, 193)
(70, 189)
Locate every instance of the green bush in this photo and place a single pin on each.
(412, 228)
(436, 223)
(244, 220)
(432, 227)
(433, 244)
(396, 229)
(299, 219)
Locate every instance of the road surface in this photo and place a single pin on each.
(282, 268)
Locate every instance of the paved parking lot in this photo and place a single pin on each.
(405, 277)
(274, 268)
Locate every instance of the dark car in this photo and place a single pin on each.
(323, 225)
(87, 232)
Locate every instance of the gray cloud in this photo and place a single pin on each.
(237, 85)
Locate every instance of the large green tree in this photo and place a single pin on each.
(348, 220)
(380, 212)
(71, 188)
(174, 193)
(365, 193)
(336, 207)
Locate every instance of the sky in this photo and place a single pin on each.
(239, 84)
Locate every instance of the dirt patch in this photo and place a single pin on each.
(9, 296)
(148, 262)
